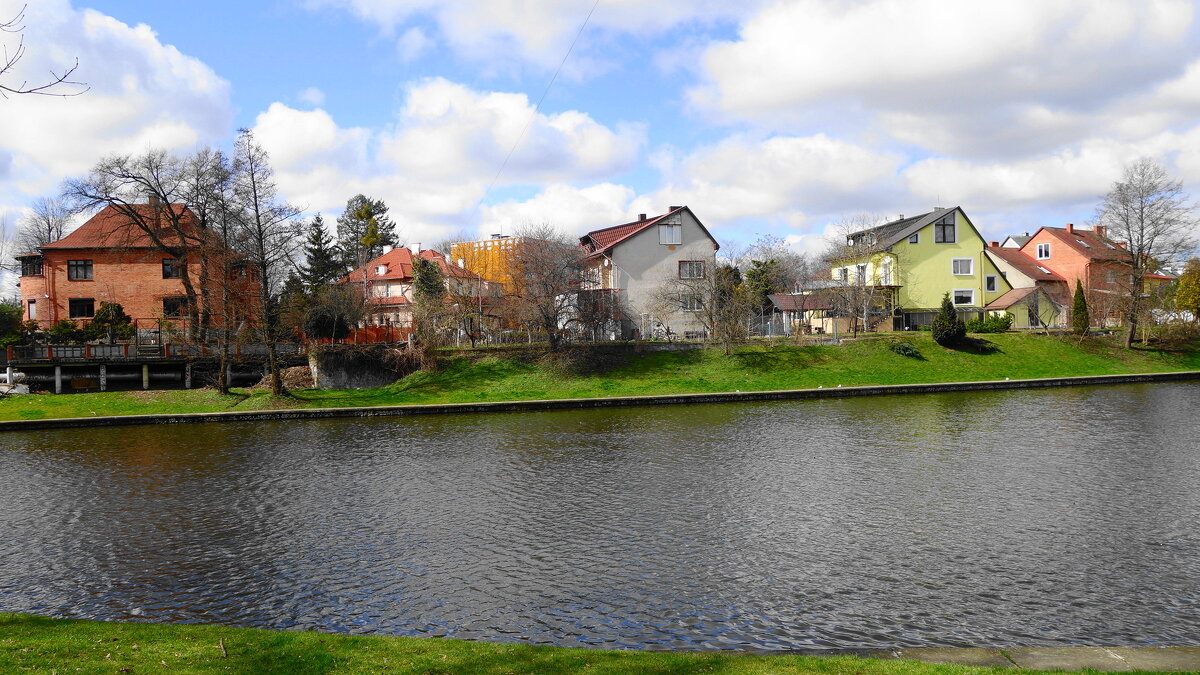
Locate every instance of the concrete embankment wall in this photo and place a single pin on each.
(577, 403)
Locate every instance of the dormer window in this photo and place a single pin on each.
(943, 230)
(381, 270)
(1043, 251)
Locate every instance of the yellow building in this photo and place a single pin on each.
(491, 259)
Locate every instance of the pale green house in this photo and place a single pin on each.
(913, 262)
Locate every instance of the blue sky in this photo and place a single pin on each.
(780, 117)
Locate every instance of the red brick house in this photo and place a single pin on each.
(1100, 264)
(110, 259)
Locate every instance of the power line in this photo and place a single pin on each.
(538, 105)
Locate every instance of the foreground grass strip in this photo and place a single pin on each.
(750, 368)
(42, 645)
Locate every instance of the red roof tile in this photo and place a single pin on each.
(1089, 244)
(1024, 264)
(598, 241)
(398, 267)
(111, 228)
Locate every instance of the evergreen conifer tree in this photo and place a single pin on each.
(322, 263)
(948, 329)
(1079, 312)
(363, 230)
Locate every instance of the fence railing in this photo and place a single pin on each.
(126, 351)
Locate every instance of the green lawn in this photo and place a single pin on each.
(40, 645)
(750, 368)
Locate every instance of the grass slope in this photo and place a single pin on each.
(749, 368)
(36, 644)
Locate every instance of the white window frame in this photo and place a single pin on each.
(33, 310)
(670, 235)
(991, 283)
(970, 267)
(954, 297)
(1046, 255)
(914, 238)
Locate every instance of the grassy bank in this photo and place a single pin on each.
(749, 368)
(41, 645)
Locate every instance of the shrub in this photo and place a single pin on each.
(64, 331)
(110, 323)
(905, 349)
(992, 324)
(948, 329)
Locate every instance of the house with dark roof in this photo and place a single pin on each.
(640, 260)
(140, 265)
(913, 262)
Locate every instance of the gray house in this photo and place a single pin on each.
(650, 274)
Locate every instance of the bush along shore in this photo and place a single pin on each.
(588, 372)
(44, 645)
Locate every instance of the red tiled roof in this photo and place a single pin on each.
(398, 263)
(112, 228)
(800, 303)
(1089, 244)
(1024, 264)
(599, 241)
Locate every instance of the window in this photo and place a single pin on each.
(962, 266)
(79, 270)
(990, 283)
(81, 308)
(860, 274)
(690, 302)
(172, 268)
(381, 270)
(943, 230)
(844, 274)
(32, 316)
(914, 238)
(174, 307)
(31, 267)
(1083, 243)
(1043, 269)
(691, 269)
(1112, 276)
(885, 273)
(670, 234)
(964, 296)
(1043, 251)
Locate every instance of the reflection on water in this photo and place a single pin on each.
(1003, 518)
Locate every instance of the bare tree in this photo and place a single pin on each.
(46, 222)
(269, 236)
(716, 299)
(862, 277)
(152, 194)
(10, 56)
(1150, 213)
(545, 275)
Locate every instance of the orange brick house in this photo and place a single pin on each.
(1100, 264)
(109, 259)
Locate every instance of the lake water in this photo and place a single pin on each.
(1066, 516)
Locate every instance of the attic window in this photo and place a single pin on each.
(914, 238)
(1110, 246)
(1083, 243)
(670, 234)
(1043, 269)
(381, 270)
(943, 230)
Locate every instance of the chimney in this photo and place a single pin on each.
(1100, 231)
(994, 244)
(641, 216)
(415, 248)
(388, 249)
(673, 208)
(1071, 228)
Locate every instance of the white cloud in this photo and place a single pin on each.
(413, 44)
(311, 96)
(535, 32)
(572, 210)
(434, 164)
(143, 94)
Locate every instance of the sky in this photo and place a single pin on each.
(780, 118)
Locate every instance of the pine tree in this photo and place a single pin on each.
(322, 263)
(429, 294)
(948, 329)
(363, 230)
(1079, 312)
